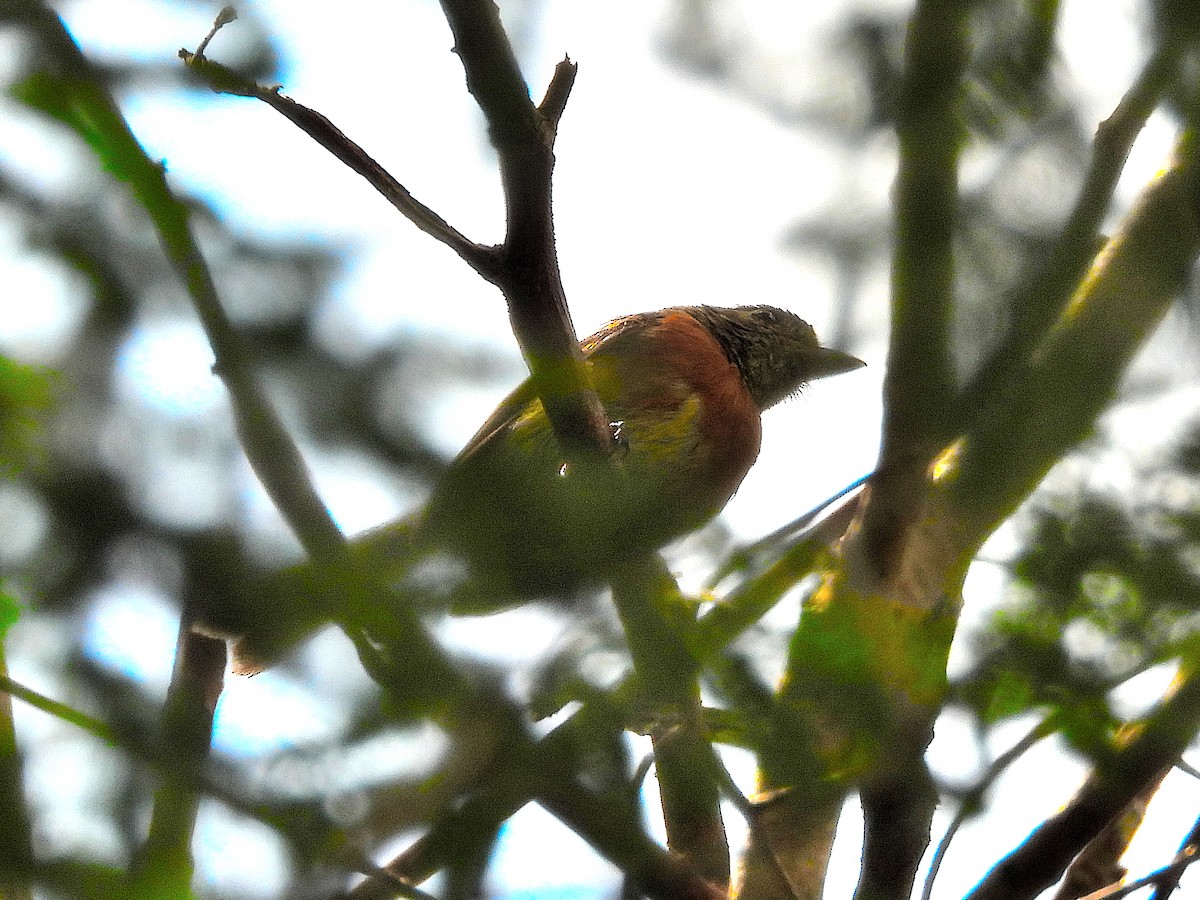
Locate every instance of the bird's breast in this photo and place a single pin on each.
(693, 429)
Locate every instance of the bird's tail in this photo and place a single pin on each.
(276, 611)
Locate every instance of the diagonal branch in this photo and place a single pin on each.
(974, 797)
(226, 81)
(1046, 292)
(1098, 866)
(1041, 860)
(1079, 364)
(1168, 878)
(525, 266)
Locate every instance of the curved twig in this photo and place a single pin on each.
(976, 794)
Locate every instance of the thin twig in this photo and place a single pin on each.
(977, 793)
(1172, 871)
(743, 804)
(642, 771)
(781, 539)
(226, 15)
(1187, 769)
(68, 714)
(1042, 858)
(750, 810)
(555, 101)
(1168, 880)
(482, 258)
(749, 602)
(366, 866)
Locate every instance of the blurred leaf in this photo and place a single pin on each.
(1101, 591)
(10, 611)
(26, 397)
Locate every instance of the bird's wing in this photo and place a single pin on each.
(607, 340)
(502, 416)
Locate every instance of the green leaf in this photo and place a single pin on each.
(26, 394)
(10, 611)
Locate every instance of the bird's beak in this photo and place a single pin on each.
(826, 361)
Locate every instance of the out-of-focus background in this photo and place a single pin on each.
(712, 152)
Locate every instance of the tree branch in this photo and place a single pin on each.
(544, 773)
(1044, 856)
(976, 794)
(1167, 879)
(15, 834)
(223, 80)
(555, 102)
(525, 267)
(529, 277)
(659, 874)
(652, 613)
(421, 673)
(920, 377)
(1046, 291)
(898, 800)
(1098, 865)
(163, 865)
(715, 631)
(1080, 363)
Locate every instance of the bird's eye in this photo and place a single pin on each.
(765, 316)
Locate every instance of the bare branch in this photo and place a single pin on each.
(1043, 857)
(482, 258)
(555, 102)
(525, 268)
(1168, 878)
(1165, 879)
(529, 276)
(1098, 865)
(999, 765)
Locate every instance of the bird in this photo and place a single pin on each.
(683, 388)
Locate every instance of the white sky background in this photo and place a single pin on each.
(668, 190)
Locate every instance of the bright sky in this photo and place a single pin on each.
(668, 190)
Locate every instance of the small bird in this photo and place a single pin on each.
(683, 389)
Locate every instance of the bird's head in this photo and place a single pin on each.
(775, 351)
